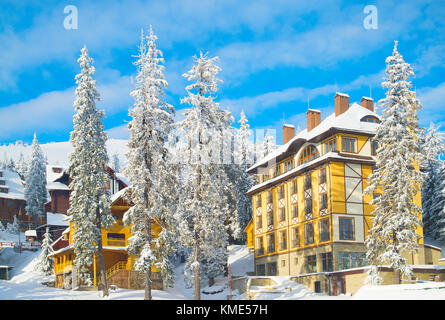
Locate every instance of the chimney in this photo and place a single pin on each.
(341, 103)
(288, 132)
(367, 103)
(313, 119)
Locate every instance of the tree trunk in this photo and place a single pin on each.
(148, 273)
(197, 276)
(100, 252)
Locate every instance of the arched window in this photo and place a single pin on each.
(370, 119)
(308, 154)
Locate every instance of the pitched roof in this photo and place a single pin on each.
(349, 121)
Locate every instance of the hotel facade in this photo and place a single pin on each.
(311, 214)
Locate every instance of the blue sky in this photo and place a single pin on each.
(273, 55)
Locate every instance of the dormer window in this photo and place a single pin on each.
(308, 154)
(57, 170)
(2, 182)
(371, 119)
(4, 190)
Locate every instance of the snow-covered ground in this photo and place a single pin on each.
(26, 284)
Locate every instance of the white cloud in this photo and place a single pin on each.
(53, 111)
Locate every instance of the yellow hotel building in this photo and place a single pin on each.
(310, 212)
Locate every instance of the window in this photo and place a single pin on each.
(260, 246)
(295, 238)
(272, 269)
(258, 201)
(330, 146)
(1, 174)
(270, 218)
(261, 269)
(351, 260)
(308, 233)
(277, 170)
(281, 214)
(271, 243)
(346, 228)
(282, 240)
(10, 203)
(324, 230)
(370, 119)
(307, 181)
(4, 190)
(281, 192)
(288, 165)
(323, 201)
(269, 197)
(322, 176)
(308, 208)
(293, 187)
(308, 154)
(348, 144)
(266, 177)
(2, 182)
(374, 147)
(326, 262)
(294, 210)
(116, 239)
(311, 263)
(259, 222)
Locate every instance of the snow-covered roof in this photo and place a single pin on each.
(30, 233)
(13, 184)
(54, 172)
(350, 120)
(67, 230)
(56, 219)
(56, 186)
(117, 195)
(121, 177)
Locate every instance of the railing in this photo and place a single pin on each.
(121, 265)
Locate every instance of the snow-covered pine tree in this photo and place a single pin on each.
(149, 168)
(35, 184)
(243, 155)
(433, 187)
(396, 176)
(269, 144)
(89, 200)
(116, 163)
(14, 226)
(20, 166)
(45, 263)
(203, 210)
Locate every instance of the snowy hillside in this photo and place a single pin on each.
(57, 152)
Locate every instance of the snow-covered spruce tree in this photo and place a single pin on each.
(203, 210)
(243, 157)
(433, 187)
(116, 163)
(269, 144)
(396, 176)
(13, 227)
(149, 168)
(89, 200)
(35, 184)
(20, 166)
(45, 263)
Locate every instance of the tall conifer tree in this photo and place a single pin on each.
(396, 175)
(89, 199)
